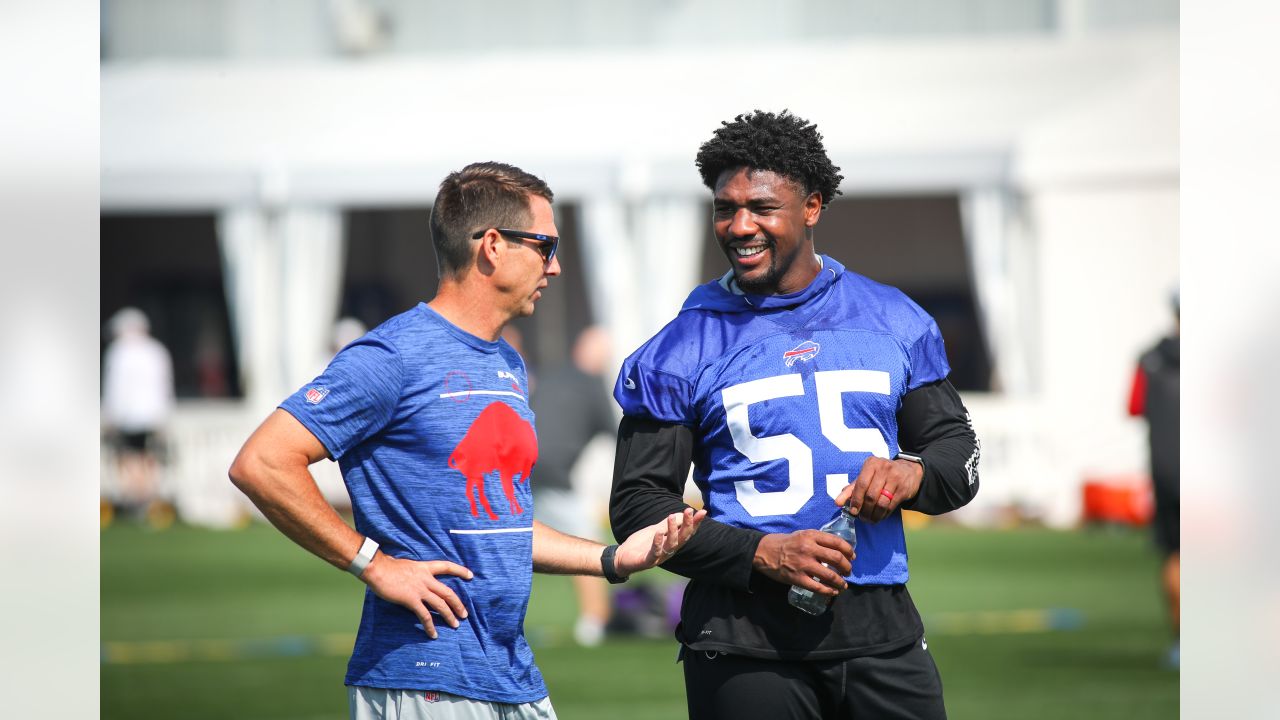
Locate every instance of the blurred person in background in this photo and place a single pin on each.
(137, 400)
(789, 383)
(573, 407)
(346, 331)
(427, 416)
(1154, 396)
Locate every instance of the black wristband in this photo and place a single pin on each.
(608, 569)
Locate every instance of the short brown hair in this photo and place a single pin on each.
(480, 196)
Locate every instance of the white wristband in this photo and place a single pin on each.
(913, 458)
(363, 558)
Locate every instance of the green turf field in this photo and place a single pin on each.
(243, 624)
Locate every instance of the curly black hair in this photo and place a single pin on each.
(786, 144)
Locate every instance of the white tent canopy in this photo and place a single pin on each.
(1063, 150)
(900, 115)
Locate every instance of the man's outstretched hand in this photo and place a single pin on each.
(655, 544)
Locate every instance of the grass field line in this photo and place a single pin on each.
(229, 649)
(125, 652)
(991, 622)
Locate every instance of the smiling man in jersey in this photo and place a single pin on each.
(793, 386)
(428, 417)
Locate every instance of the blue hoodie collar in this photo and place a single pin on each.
(724, 294)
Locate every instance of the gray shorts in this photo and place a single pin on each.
(369, 703)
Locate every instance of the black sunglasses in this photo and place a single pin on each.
(546, 243)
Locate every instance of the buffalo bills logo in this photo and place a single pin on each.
(804, 351)
(498, 441)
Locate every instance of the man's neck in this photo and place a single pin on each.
(730, 282)
(469, 309)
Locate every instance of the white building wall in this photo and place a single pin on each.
(1108, 261)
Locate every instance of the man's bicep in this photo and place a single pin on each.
(281, 434)
(929, 413)
(649, 472)
(275, 455)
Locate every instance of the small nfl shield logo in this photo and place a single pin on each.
(316, 394)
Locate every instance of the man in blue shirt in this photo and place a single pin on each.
(428, 417)
(793, 386)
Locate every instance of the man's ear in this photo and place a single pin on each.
(812, 209)
(488, 250)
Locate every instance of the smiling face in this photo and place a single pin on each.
(762, 221)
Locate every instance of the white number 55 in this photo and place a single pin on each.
(830, 385)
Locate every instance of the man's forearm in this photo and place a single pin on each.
(556, 553)
(720, 553)
(303, 515)
(271, 470)
(650, 468)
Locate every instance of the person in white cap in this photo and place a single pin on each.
(137, 400)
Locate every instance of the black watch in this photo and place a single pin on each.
(609, 570)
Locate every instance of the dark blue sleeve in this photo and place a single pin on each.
(647, 392)
(927, 355)
(354, 398)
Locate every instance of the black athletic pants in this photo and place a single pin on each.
(902, 684)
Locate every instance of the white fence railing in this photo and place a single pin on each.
(201, 440)
(1026, 470)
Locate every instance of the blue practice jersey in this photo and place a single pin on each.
(432, 429)
(787, 396)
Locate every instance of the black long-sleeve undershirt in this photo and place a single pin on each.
(649, 472)
(653, 459)
(934, 424)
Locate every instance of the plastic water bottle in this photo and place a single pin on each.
(808, 600)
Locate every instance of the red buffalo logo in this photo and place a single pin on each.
(498, 441)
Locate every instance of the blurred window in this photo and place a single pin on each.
(169, 267)
(391, 267)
